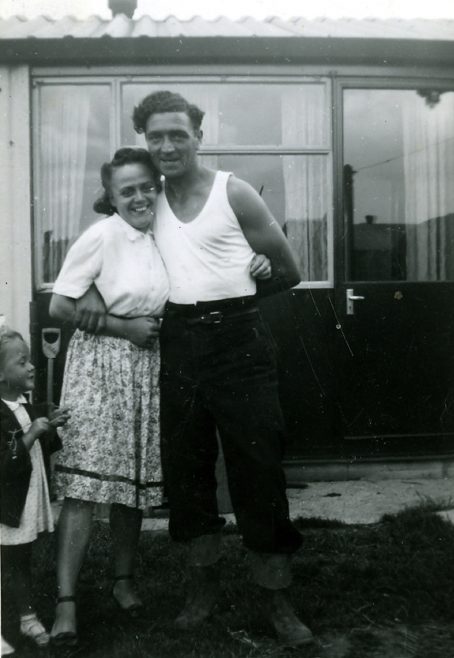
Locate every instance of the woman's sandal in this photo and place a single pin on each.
(32, 629)
(65, 638)
(134, 610)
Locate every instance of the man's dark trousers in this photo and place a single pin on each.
(219, 370)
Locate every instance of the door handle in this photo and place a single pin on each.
(351, 298)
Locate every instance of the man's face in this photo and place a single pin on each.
(172, 142)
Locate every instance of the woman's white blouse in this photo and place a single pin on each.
(125, 265)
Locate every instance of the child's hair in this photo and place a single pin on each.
(6, 335)
(124, 156)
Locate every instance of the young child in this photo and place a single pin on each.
(26, 441)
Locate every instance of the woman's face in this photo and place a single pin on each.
(133, 193)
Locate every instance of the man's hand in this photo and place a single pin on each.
(90, 312)
(260, 267)
(142, 331)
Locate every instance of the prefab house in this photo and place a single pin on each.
(345, 127)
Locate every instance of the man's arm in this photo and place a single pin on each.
(264, 234)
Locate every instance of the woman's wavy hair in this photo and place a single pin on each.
(124, 156)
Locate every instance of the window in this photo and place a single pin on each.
(398, 192)
(275, 134)
(71, 140)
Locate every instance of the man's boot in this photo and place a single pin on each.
(278, 610)
(202, 584)
(201, 596)
(271, 572)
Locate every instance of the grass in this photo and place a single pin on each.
(381, 591)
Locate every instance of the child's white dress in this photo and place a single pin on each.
(37, 515)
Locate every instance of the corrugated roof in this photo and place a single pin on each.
(44, 27)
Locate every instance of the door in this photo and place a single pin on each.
(395, 276)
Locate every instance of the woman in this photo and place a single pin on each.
(111, 445)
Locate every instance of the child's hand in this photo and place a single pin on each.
(59, 417)
(142, 331)
(260, 267)
(38, 427)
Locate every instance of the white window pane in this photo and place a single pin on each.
(398, 173)
(296, 189)
(73, 140)
(246, 114)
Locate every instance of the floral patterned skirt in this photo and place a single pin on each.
(111, 442)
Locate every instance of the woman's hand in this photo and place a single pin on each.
(142, 331)
(260, 267)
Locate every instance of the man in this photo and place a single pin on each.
(218, 366)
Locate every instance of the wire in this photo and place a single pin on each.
(400, 157)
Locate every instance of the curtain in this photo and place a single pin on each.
(63, 150)
(428, 136)
(305, 180)
(305, 214)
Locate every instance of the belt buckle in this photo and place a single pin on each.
(213, 317)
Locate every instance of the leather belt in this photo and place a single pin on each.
(216, 317)
(213, 312)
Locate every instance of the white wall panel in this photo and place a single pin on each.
(15, 198)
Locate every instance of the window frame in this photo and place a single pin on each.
(37, 234)
(343, 236)
(117, 79)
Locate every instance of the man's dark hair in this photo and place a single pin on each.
(164, 101)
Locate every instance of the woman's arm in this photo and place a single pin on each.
(142, 331)
(62, 308)
(87, 313)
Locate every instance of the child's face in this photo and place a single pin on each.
(16, 371)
